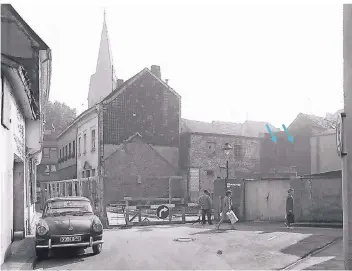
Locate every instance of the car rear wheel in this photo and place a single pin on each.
(42, 254)
(97, 248)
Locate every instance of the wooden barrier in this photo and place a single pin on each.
(133, 212)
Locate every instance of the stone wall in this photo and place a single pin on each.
(205, 152)
(316, 199)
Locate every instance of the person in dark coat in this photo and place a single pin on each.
(205, 206)
(290, 217)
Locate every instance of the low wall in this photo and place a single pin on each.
(315, 199)
(318, 199)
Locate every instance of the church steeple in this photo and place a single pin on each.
(104, 80)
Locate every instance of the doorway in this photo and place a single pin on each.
(18, 196)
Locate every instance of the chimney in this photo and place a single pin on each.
(119, 82)
(156, 71)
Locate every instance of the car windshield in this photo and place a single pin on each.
(65, 207)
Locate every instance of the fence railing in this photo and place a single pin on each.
(86, 187)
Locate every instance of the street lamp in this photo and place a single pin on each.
(227, 148)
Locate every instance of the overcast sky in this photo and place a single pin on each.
(228, 61)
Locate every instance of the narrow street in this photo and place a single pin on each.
(251, 246)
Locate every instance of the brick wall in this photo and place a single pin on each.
(136, 170)
(205, 152)
(146, 107)
(279, 156)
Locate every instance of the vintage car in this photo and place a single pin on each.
(68, 222)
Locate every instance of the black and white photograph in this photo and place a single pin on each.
(176, 135)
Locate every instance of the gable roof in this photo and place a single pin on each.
(130, 81)
(78, 118)
(229, 128)
(169, 153)
(194, 126)
(247, 129)
(257, 128)
(32, 34)
(315, 120)
(130, 139)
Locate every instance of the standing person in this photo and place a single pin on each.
(226, 207)
(205, 206)
(290, 217)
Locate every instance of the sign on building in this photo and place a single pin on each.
(340, 134)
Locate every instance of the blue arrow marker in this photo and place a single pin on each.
(289, 137)
(273, 138)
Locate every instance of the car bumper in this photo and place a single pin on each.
(81, 244)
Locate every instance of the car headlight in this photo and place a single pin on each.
(97, 226)
(42, 228)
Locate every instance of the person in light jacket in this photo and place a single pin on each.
(226, 207)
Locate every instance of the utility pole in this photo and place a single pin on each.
(346, 132)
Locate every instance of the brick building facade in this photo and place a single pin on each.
(136, 169)
(144, 104)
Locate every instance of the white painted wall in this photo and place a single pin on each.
(10, 143)
(266, 200)
(324, 156)
(85, 126)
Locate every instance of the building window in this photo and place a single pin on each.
(63, 154)
(84, 143)
(69, 150)
(238, 150)
(83, 174)
(47, 170)
(60, 154)
(93, 172)
(66, 152)
(73, 148)
(46, 152)
(88, 173)
(53, 168)
(210, 172)
(93, 140)
(79, 146)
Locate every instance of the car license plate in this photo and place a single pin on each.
(68, 239)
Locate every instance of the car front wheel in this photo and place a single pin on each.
(97, 248)
(42, 254)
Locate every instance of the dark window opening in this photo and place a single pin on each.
(210, 172)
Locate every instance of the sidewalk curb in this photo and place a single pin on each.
(318, 225)
(310, 254)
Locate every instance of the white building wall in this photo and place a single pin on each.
(11, 142)
(85, 126)
(324, 156)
